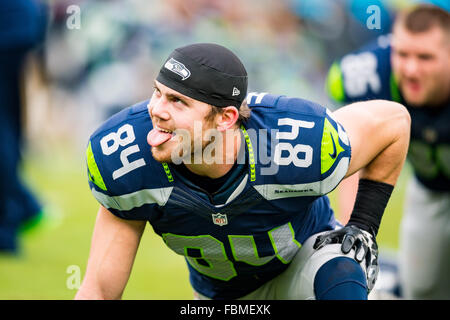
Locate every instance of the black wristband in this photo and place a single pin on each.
(371, 201)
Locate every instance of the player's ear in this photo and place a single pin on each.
(227, 118)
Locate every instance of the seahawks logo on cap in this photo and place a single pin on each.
(178, 68)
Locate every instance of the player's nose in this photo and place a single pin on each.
(411, 68)
(158, 108)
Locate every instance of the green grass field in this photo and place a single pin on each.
(40, 271)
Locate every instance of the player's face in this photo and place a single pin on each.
(421, 64)
(174, 117)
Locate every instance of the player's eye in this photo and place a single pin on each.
(401, 54)
(425, 57)
(177, 100)
(156, 91)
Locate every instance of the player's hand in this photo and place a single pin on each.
(364, 244)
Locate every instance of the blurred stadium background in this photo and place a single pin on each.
(82, 74)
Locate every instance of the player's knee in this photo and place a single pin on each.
(340, 278)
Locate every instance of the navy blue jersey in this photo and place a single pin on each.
(367, 74)
(248, 233)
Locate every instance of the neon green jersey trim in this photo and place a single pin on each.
(250, 153)
(247, 242)
(334, 84)
(212, 251)
(167, 171)
(93, 171)
(395, 93)
(251, 156)
(276, 235)
(330, 147)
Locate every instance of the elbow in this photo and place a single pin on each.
(392, 117)
(401, 119)
(404, 115)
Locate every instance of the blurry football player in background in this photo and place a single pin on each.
(412, 66)
(239, 186)
(23, 28)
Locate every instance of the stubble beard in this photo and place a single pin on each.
(180, 151)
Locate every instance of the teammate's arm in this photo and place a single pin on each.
(113, 250)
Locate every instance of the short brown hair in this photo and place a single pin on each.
(244, 113)
(424, 17)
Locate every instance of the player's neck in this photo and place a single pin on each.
(441, 101)
(437, 102)
(225, 158)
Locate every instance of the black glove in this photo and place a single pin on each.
(351, 237)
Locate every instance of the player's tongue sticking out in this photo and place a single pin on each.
(157, 137)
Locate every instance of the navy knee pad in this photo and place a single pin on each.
(341, 278)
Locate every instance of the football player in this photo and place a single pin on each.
(238, 186)
(412, 66)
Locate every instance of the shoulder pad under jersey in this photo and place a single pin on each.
(123, 176)
(297, 145)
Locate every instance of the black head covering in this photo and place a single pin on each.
(206, 72)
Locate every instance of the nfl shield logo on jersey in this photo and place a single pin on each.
(220, 219)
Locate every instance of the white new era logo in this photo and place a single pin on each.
(236, 92)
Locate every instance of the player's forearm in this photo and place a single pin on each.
(91, 293)
(379, 135)
(114, 245)
(105, 280)
(100, 290)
